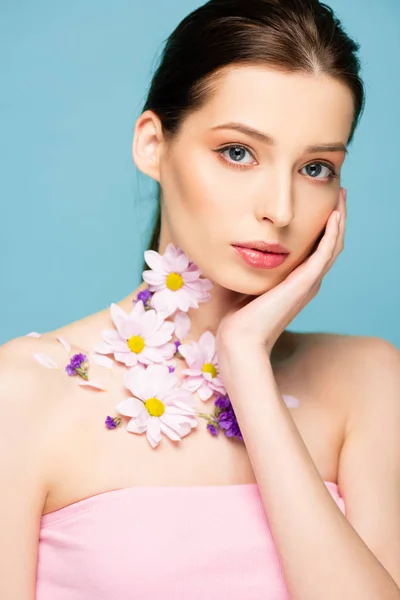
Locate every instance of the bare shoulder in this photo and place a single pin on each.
(19, 370)
(353, 355)
(355, 367)
(33, 388)
(28, 391)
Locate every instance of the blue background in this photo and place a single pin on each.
(76, 213)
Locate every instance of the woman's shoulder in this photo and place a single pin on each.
(346, 366)
(18, 366)
(338, 348)
(23, 358)
(28, 390)
(344, 354)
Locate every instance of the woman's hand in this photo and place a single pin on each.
(261, 321)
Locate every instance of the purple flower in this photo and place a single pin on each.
(171, 369)
(177, 344)
(225, 415)
(112, 422)
(70, 370)
(223, 418)
(144, 296)
(222, 402)
(212, 429)
(77, 360)
(75, 365)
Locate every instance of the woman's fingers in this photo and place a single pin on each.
(340, 232)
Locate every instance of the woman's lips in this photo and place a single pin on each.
(260, 260)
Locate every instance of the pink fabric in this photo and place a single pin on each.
(174, 543)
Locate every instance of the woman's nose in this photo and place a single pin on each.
(276, 205)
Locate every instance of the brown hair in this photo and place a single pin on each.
(288, 35)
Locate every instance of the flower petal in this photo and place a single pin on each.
(158, 381)
(150, 355)
(191, 353)
(184, 301)
(178, 395)
(118, 315)
(66, 344)
(190, 276)
(169, 431)
(130, 407)
(193, 383)
(45, 360)
(127, 358)
(133, 427)
(153, 278)
(93, 384)
(143, 418)
(103, 348)
(153, 431)
(204, 392)
(186, 428)
(115, 340)
(207, 344)
(164, 302)
(180, 264)
(132, 324)
(155, 261)
(149, 322)
(135, 381)
(182, 324)
(217, 385)
(186, 407)
(194, 372)
(291, 401)
(101, 360)
(176, 421)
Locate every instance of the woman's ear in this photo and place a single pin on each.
(147, 144)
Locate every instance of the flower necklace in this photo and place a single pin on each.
(142, 341)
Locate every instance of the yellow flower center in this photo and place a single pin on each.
(155, 407)
(209, 368)
(135, 344)
(174, 281)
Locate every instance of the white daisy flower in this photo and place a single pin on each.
(176, 282)
(202, 376)
(158, 405)
(141, 337)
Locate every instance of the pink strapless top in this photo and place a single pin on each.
(172, 543)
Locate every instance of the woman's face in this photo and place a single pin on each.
(222, 186)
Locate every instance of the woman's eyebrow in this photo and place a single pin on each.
(267, 139)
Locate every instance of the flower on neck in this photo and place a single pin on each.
(202, 375)
(141, 337)
(145, 296)
(176, 282)
(157, 404)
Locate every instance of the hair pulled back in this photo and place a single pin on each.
(293, 36)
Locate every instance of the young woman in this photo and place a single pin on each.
(183, 443)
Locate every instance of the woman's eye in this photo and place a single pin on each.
(315, 169)
(234, 155)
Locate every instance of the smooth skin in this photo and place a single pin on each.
(54, 448)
